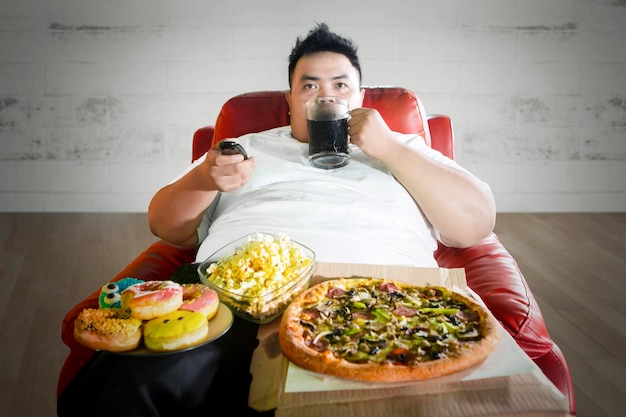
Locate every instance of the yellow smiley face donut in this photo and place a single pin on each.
(174, 331)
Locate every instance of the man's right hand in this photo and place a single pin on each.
(227, 172)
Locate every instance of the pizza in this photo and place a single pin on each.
(372, 329)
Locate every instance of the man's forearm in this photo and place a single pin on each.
(176, 210)
(455, 202)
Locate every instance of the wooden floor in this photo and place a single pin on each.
(574, 263)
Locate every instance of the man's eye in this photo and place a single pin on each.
(309, 86)
(342, 85)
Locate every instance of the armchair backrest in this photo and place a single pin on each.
(261, 110)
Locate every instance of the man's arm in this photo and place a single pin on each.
(176, 210)
(455, 202)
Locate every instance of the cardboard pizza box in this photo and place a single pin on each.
(507, 383)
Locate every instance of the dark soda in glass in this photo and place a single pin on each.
(328, 136)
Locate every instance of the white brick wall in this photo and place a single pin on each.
(99, 99)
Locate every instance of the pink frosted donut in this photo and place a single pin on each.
(200, 298)
(152, 299)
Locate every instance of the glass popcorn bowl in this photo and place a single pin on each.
(258, 275)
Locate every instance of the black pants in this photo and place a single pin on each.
(212, 380)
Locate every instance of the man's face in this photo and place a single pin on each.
(321, 74)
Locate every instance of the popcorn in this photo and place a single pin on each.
(251, 277)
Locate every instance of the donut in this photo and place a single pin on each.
(110, 293)
(174, 331)
(152, 299)
(200, 298)
(109, 329)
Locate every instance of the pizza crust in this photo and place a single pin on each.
(294, 347)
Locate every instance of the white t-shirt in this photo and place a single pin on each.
(354, 214)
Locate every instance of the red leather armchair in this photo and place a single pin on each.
(491, 271)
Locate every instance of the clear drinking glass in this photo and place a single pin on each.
(327, 122)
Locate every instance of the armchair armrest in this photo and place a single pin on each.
(493, 274)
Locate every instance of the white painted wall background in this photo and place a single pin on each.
(99, 98)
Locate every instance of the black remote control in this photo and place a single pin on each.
(228, 147)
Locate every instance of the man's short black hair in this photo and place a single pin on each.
(321, 39)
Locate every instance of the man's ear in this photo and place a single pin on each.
(362, 94)
(288, 98)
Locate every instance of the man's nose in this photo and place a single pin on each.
(325, 91)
